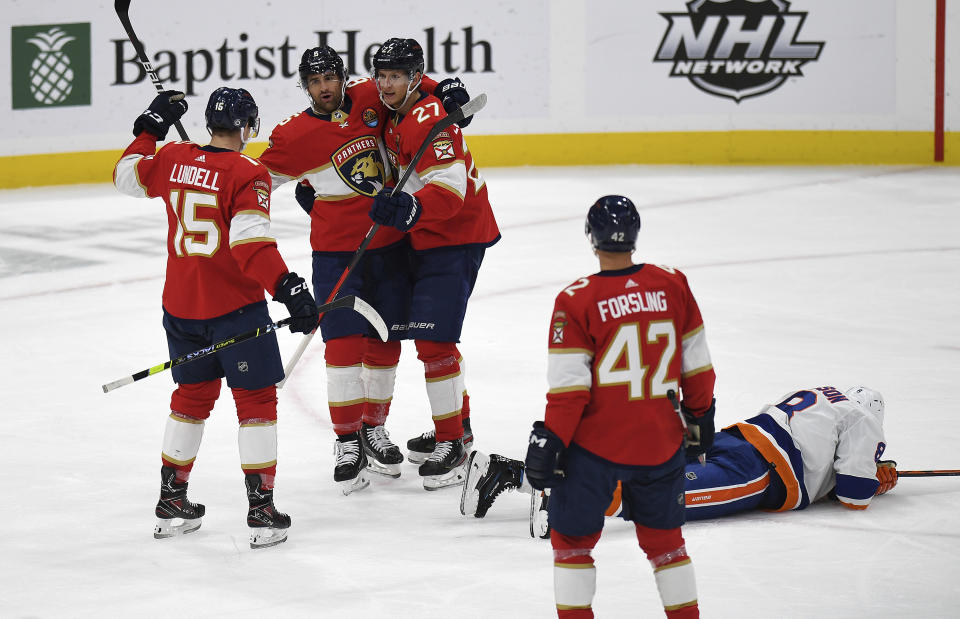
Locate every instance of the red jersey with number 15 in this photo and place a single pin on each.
(619, 340)
(220, 252)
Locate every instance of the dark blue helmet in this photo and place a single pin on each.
(612, 224)
(404, 54)
(232, 109)
(320, 60)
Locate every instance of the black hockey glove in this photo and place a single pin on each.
(544, 463)
(305, 195)
(400, 211)
(165, 109)
(453, 94)
(292, 291)
(700, 430)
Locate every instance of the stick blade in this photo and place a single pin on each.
(372, 317)
(474, 105)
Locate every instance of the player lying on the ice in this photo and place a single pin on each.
(813, 443)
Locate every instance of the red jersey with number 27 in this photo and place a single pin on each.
(220, 252)
(619, 340)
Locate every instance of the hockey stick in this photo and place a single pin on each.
(672, 396)
(933, 473)
(123, 12)
(352, 302)
(470, 108)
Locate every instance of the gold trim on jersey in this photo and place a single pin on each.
(447, 187)
(259, 239)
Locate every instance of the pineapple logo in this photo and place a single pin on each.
(51, 65)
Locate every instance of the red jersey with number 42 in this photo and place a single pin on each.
(619, 340)
(220, 252)
(453, 195)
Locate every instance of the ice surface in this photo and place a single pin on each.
(805, 277)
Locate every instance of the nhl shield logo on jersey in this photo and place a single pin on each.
(736, 48)
(370, 117)
(359, 164)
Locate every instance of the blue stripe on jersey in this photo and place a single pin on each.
(766, 423)
(850, 486)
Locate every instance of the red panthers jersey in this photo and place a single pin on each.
(340, 154)
(448, 185)
(220, 253)
(619, 340)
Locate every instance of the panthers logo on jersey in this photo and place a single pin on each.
(359, 164)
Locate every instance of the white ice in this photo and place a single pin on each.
(805, 277)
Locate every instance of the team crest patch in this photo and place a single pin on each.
(370, 117)
(359, 164)
(443, 149)
(263, 198)
(559, 324)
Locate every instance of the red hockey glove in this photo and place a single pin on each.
(886, 475)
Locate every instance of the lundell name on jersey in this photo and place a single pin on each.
(193, 175)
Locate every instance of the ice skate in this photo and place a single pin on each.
(383, 456)
(176, 515)
(420, 448)
(539, 525)
(487, 478)
(350, 470)
(268, 527)
(445, 467)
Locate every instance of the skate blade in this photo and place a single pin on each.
(174, 527)
(454, 477)
(477, 467)
(539, 523)
(386, 470)
(417, 457)
(350, 486)
(265, 537)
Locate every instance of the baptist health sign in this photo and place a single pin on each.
(50, 65)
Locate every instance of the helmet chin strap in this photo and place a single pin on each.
(411, 87)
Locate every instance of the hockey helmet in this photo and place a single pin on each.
(396, 53)
(232, 109)
(612, 224)
(320, 60)
(868, 399)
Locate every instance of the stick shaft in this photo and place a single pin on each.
(468, 109)
(122, 8)
(930, 473)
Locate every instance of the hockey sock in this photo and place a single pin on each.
(672, 569)
(574, 574)
(190, 405)
(345, 397)
(462, 385)
(379, 375)
(442, 373)
(257, 436)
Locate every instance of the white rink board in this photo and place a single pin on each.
(566, 66)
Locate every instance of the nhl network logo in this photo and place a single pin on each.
(736, 48)
(51, 65)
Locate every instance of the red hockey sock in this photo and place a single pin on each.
(442, 373)
(672, 570)
(574, 574)
(345, 393)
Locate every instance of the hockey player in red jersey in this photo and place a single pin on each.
(620, 341)
(445, 212)
(333, 148)
(220, 260)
